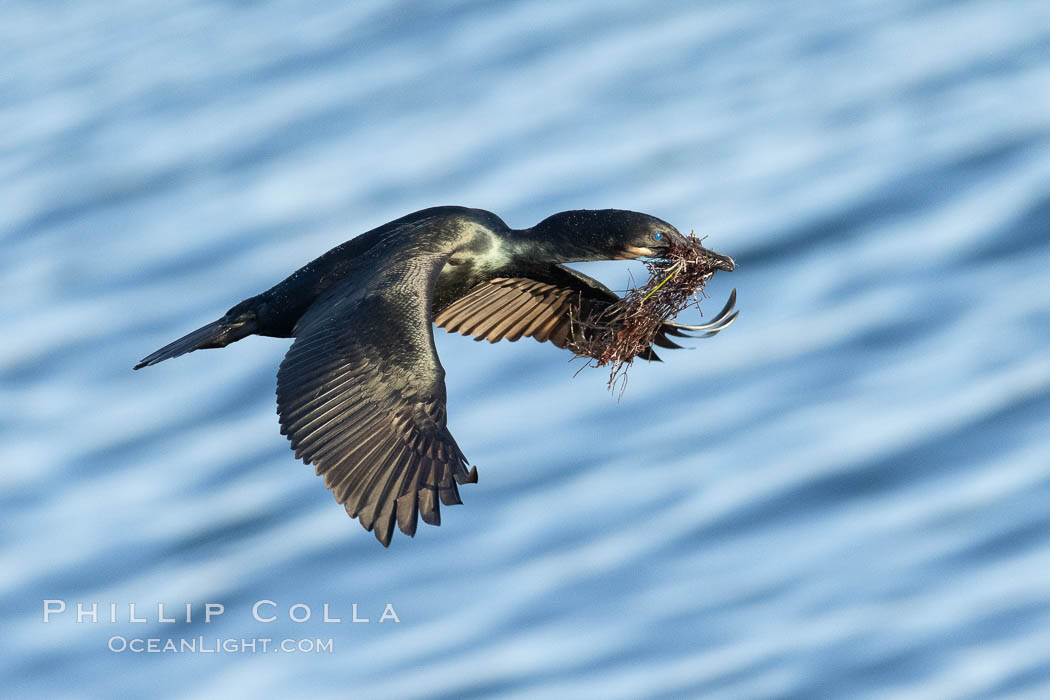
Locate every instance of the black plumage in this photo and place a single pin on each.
(361, 392)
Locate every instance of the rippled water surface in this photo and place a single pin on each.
(847, 494)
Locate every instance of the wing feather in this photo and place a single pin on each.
(543, 306)
(361, 396)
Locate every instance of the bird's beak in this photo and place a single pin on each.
(722, 262)
(633, 252)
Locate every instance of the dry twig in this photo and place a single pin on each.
(616, 334)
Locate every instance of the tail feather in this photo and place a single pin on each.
(216, 334)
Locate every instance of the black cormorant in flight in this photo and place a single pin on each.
(361, 392)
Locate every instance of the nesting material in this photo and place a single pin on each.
(614, 335)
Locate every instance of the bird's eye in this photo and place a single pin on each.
(657, 236)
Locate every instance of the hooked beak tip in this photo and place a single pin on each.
(723, 262)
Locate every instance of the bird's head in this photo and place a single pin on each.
(612, 234)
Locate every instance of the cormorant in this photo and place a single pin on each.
(361, 392)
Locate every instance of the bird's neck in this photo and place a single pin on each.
(540, 244)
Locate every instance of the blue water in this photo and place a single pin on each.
(846, 494)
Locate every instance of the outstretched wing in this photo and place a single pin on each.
(361, 395)
(542, 306)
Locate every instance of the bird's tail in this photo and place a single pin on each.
(217, 334)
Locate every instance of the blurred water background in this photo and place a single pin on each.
(847, 494)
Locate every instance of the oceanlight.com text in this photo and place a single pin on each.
(218, 645)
